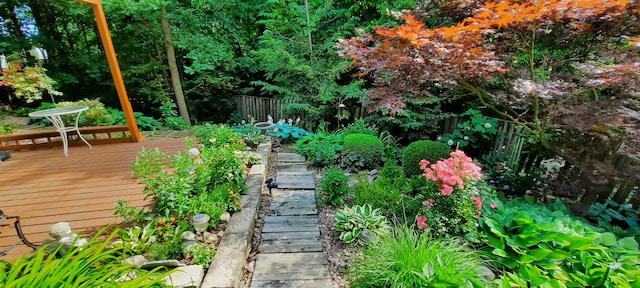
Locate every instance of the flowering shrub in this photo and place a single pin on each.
(28, 83)
(454, 195)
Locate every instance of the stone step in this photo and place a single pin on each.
(293, 227)
(301, 172)
(296, 182)
(292, 211)
(289, 167)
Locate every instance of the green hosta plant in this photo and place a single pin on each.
(288, 133)
(334, 187)
(351, 162)
(540, 247)
(357, 224)
(136, 240)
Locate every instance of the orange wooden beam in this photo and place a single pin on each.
(105, 36)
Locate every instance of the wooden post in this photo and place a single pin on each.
(105, 36)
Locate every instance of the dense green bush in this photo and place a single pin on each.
(360, 127)
(386, 194)
(96, 115)
(365, 145)
(320, 149)
(431, 151)
(145, 123)
(539, 246)
(409, 258)
(334, 187)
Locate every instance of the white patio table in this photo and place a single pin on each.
(54, 114)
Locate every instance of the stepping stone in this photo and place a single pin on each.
(291, 266)
(296, 182)
(290, 157)
(291, 210)
(291, 235)
(293, 195)
(301, 172)
(290, 246)
(292, 219)
(281, 228)
(291, 167)
(316, 283)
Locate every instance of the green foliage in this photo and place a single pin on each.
(218, 136)
(455, 214)
(27, 82)
(507, 180)
(145, 123)
(135, 240)
(334, 187)
(610, 212)
(97, 114)
(24, 111)
(359, 224)
(539, 246)
(174, 185)
(201, 254)
(7, 129)
(351, 162)
(170, 116)
(422, 150)
(367, 146)
(38, 121)
(93, 265)
(287, 133)
(359, 126)
(409, 258)
(390, 195)
(477, 132)
(321, 149)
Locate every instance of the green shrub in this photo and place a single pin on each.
(360, 127)
(367, 146)
(409, 258)
(218, 136)
(422, 150)
(541, 247)
(383, 193)
(320, 149)
(7, 129)
(145, 123)
(359, 223)
(334, 187)
(96, 115)
(93, 265)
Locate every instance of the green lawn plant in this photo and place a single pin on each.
(538, 246)
(431, 151)
(334, 187)
(367, 146)
(96, 264)
(388, 194)
(359, 224)
(410, 258)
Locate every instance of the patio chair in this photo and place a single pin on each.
(23, 239)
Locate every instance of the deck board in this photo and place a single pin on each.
(44, 187)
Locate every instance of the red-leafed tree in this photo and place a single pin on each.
(570, 64)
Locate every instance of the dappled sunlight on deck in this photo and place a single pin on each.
(44, 187)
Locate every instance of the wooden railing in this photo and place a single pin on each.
(50, 138)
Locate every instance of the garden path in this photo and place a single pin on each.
(290, 251)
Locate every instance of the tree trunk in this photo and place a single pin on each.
(173, 66)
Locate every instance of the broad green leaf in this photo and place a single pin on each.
(500, 252)
(628, 243)
(607, 239)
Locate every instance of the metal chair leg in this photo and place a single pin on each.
(18, 227)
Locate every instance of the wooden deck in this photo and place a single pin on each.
(44, 187)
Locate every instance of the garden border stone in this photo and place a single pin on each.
(227, 268)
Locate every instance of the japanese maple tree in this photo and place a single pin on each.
(530, 45)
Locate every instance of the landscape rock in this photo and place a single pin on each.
(186, 277)
(60, 230)
(135, 261)
(209, 238)
(224, 218)
(188, 236)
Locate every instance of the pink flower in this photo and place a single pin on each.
(422, 222)
(446, 190)
(423, 164)
(493, 205)
(452, 172)
(428, 203)
(478, 202)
